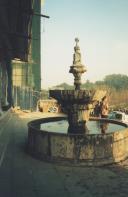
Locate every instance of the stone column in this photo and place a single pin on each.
(9, 87)
(78, 115)
(4, 84)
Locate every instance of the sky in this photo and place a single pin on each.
(102, 28)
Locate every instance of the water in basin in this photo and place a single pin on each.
(95, 127)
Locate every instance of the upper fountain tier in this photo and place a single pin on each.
(85, 97)
(77, 96)
(77, 69)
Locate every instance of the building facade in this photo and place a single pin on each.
(20, 72)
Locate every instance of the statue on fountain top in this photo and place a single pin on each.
(77, 54)
(77, 69)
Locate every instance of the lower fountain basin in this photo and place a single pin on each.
(93, 149)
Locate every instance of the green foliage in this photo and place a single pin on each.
(88, 85)
(99, 83)
(116, 81)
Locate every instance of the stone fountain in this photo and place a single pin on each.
(78, 145)
(77, 102)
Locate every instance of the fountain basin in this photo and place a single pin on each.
(77, 149)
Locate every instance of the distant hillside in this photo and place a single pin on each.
(114, 81)
(63, 86)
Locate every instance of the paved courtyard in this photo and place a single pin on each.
(23, 176)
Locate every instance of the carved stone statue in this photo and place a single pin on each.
(77, 54)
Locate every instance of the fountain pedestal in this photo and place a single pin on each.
(77, 118)
(77, 105)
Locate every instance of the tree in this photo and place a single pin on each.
(116, 81)
(88, 85)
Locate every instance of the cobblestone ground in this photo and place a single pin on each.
(23, 176)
